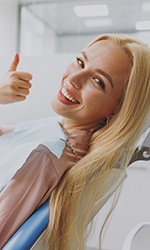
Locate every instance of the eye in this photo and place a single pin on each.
(80, 62)
(100, 82)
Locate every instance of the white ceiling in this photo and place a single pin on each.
(60, 17)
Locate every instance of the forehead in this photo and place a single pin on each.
(105, 54)
(105, 47)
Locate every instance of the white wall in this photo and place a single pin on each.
(8, 27)
(36, 38)
(77, 43)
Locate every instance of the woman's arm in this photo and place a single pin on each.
(4, 129)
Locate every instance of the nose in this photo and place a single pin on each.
(77, 79)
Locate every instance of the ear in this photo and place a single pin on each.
(109, 117)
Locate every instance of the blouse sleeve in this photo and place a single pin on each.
(28, 189)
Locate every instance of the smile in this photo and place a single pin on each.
(68, 96)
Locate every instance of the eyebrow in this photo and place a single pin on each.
(106, 76)
(85, 56)
(100, 71)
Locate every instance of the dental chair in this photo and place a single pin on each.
(32, 231)
(138, 238)
(31, 234)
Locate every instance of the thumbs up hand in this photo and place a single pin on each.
(15, 85)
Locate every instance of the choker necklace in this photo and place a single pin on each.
(72, 150)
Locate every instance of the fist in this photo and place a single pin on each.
(15, 85)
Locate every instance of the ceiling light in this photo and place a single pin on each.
(98, 22)
(91, 10)
(143, 25)
(146, 7)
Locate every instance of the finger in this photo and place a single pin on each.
(22, 84)
(14, 98)
(19, 92)
(25, 76)
(14, 63)
(23, 92)
(19, 98)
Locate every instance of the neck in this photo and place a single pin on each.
(68, 124)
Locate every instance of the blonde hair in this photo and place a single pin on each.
(76, 199)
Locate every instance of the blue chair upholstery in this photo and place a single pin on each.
(29, 232)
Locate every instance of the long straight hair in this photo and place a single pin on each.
(78, 196)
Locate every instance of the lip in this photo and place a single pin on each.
(64, 100)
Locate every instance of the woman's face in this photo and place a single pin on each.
(92, 86)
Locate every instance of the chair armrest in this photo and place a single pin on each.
(132, 234)
(142, 154)
(29, 232)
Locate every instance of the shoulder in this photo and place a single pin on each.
(42, 159)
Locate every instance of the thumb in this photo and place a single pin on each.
(14, 63)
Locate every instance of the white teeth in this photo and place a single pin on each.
(65, 94)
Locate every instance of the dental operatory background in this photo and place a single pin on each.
(50, 34)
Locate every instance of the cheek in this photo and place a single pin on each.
(91, 94)
(55, 104)
(92, 100)
(57, 108)
(99, 103)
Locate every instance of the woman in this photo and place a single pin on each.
(78, 196)
(15, 85)
(104, 97)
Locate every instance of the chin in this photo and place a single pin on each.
(54, 104)
(56, 107)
